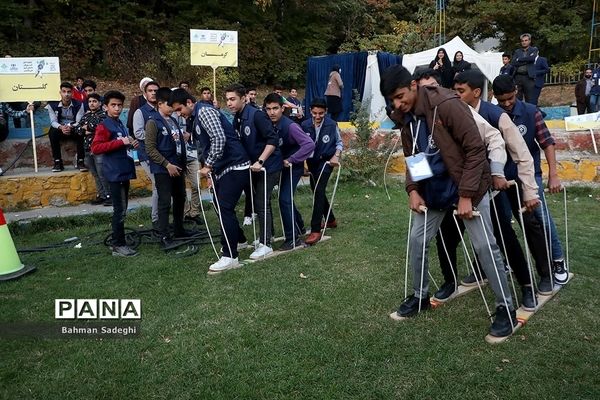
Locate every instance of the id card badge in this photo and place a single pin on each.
(418, 166)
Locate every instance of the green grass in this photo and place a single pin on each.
(263, 332)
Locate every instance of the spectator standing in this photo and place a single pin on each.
(507, 68)
(443, 66)
(582, 92)
(524, 62)
(333, 93)
(541, 69)
(459, 64)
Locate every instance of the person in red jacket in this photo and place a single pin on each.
(112, 140)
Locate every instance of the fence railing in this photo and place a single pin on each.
(562, 79)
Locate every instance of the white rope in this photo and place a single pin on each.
(547, 237)
(566, 232)
(212, 242)
(386, 166)
(423, 256)
(337, 179)
(469, 262)
(512, 281)
(527, 252)
(279, 201)
(221, 217)
(265, 208)
(254, 241)
(407, 254)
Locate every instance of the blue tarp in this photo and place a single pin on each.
(354, 68)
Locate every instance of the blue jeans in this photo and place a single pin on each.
(287, 188)
(543, 215)
(594, 102)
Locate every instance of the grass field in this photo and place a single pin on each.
(264, 332)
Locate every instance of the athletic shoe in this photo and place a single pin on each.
(223, 264)
(447, 292)
(108, 201)
(470, 279)
(330, 224)
(501, 326)
(410, 306)
(260, 252)
(166, 243)
(313, 238)
(561, 274)
(123, 251)
(529, 299)
(58, 166)
(289, 245)
(81, 166)
(545, 286)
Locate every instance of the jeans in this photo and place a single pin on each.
(146, 167)
(227, 192)
(56, 136)
(594, 102)
(545, 219)
(170, 187)
(482, 237)
(119, 192)
(95, 162)
(319, 176)
(293, 225)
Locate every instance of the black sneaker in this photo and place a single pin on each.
(545, 286)
(561, 274)
(58, 166)
(108, 201)
(470, 279)
(447, 292)
(410, 305)
(289, 245)
(501, 326)
(529, 299)
(81, 166)
(166, 243)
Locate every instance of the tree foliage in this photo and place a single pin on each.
(151, 37)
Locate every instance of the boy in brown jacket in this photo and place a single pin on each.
(447, 166)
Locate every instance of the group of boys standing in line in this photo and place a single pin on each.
(459, 146)
(175, 135)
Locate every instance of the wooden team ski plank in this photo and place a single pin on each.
(523, 316)
(462, 290)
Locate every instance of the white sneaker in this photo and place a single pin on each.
(247, 221)
(261, 251)
(223, 264)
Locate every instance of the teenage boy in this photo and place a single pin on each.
(296, 114)
(88, 88)
(111, 140)
(507, 68)
(261, 143)
(325, 133)
(519, 167)
(251, 94)
(531, 124)
(449, 167)
(295, 147)
(165, 146)
(225, 163)
(87, 128)
(141, 116)
(64, 116)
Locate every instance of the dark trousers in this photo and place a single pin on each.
(248, 199)
(293, 225)
(120, 193)
(525, 87)
(169, 187)
(321, 205)
(56, 136)
(228, 191)
(584, 108)
(264, 211)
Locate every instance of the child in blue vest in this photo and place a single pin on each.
(328, 147)
(225, 162)
(165, 146)
(261, 143)
(112, 140)
(296, 147)
(531, 124)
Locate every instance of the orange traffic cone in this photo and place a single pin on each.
(10, 264)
